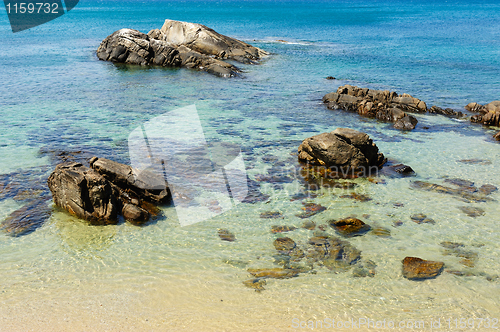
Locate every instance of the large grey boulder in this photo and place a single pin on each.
(179, 44)
(344, 149)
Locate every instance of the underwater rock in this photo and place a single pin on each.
(271, 215)
(463, 195)
(475, 161)
(282, 229)
(179, 44)
(134, 214)
(226, 235)
(471, 211)
(460, 182)
(344, 151)
(451, 245)
(487, 189)
(276, 273)
(381, 232)
(447, 112)
(357, 197)
(333, 253)
(415, 268)
(310, 209)
(349, 227)
(421, 218)
(364, 269)
(257, 284)
(284, 245)
(26, 219)
(308, 224)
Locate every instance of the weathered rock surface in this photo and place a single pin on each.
(349, 227)
(84, 193)
(100, 193)
(179, 44)
(488, 114)
(344, 150)
(415, 268)
(383, 105)
(333, 253)
(447, 112)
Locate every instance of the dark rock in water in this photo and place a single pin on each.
(276, 273)
(462, 253)
(487, 189)
(301, 196)
(178, 44)
(349, 227)
(271, 215)
(383, 105)
(134, 214)
(381, 232)
(474, 107)
(344, 151)
(84, 193)
(472, 211)
(451, 245)
(357, 197)
(330, 78)
(26, 219)
(257, 284)
(296, 254)
(496, 137)
(282, 229)
(364, 269)
(398, 205)
(475, 161)
(415, 268)
(458, 193)
(310, 209)
(421, 218)
(460, 182)
(254, 194)
(489, 114)
(136, 187)
(460, 273)
(447, 112)
(226, 235)
(284, 245)
(398, 223)
(408, 122)
(403, 169)
(333, 253)
(308, 224)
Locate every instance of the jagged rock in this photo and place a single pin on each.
(474, 107)
(84, 193)
(415, 268)
(178, 44)
(447, 112)
(489, 114)
(134, 214)
(343, 150)
(349, 227)
(383, 105)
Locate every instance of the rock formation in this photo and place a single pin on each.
(179, 44)
(383, 105)
(346, 150)
(100, 193)
(415, 268)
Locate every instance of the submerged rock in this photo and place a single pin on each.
(472, 211)
(310, 209)
(464, 195)
(333, 253)
(257, 284)
(344, 151)
(282, 229)
(421, 218)
(179, 44)
(349, 227)
(226, 235)
(415, 268)
(357, 197)
(308, 224)
(381, 232)
(276, 273)
(284, 245)
(271, 215)
(26, 219)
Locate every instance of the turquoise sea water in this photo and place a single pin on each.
(56, 96)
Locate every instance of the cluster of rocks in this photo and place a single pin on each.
(488, 115)
(104, 191)
(383, 105)
(345, 151)
(179, 44)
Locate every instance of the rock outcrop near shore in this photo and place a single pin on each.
(346, 150)
(488, 115)
(103, 192)
(179, 44)
(383, 105)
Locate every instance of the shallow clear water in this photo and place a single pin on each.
(56, 96)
